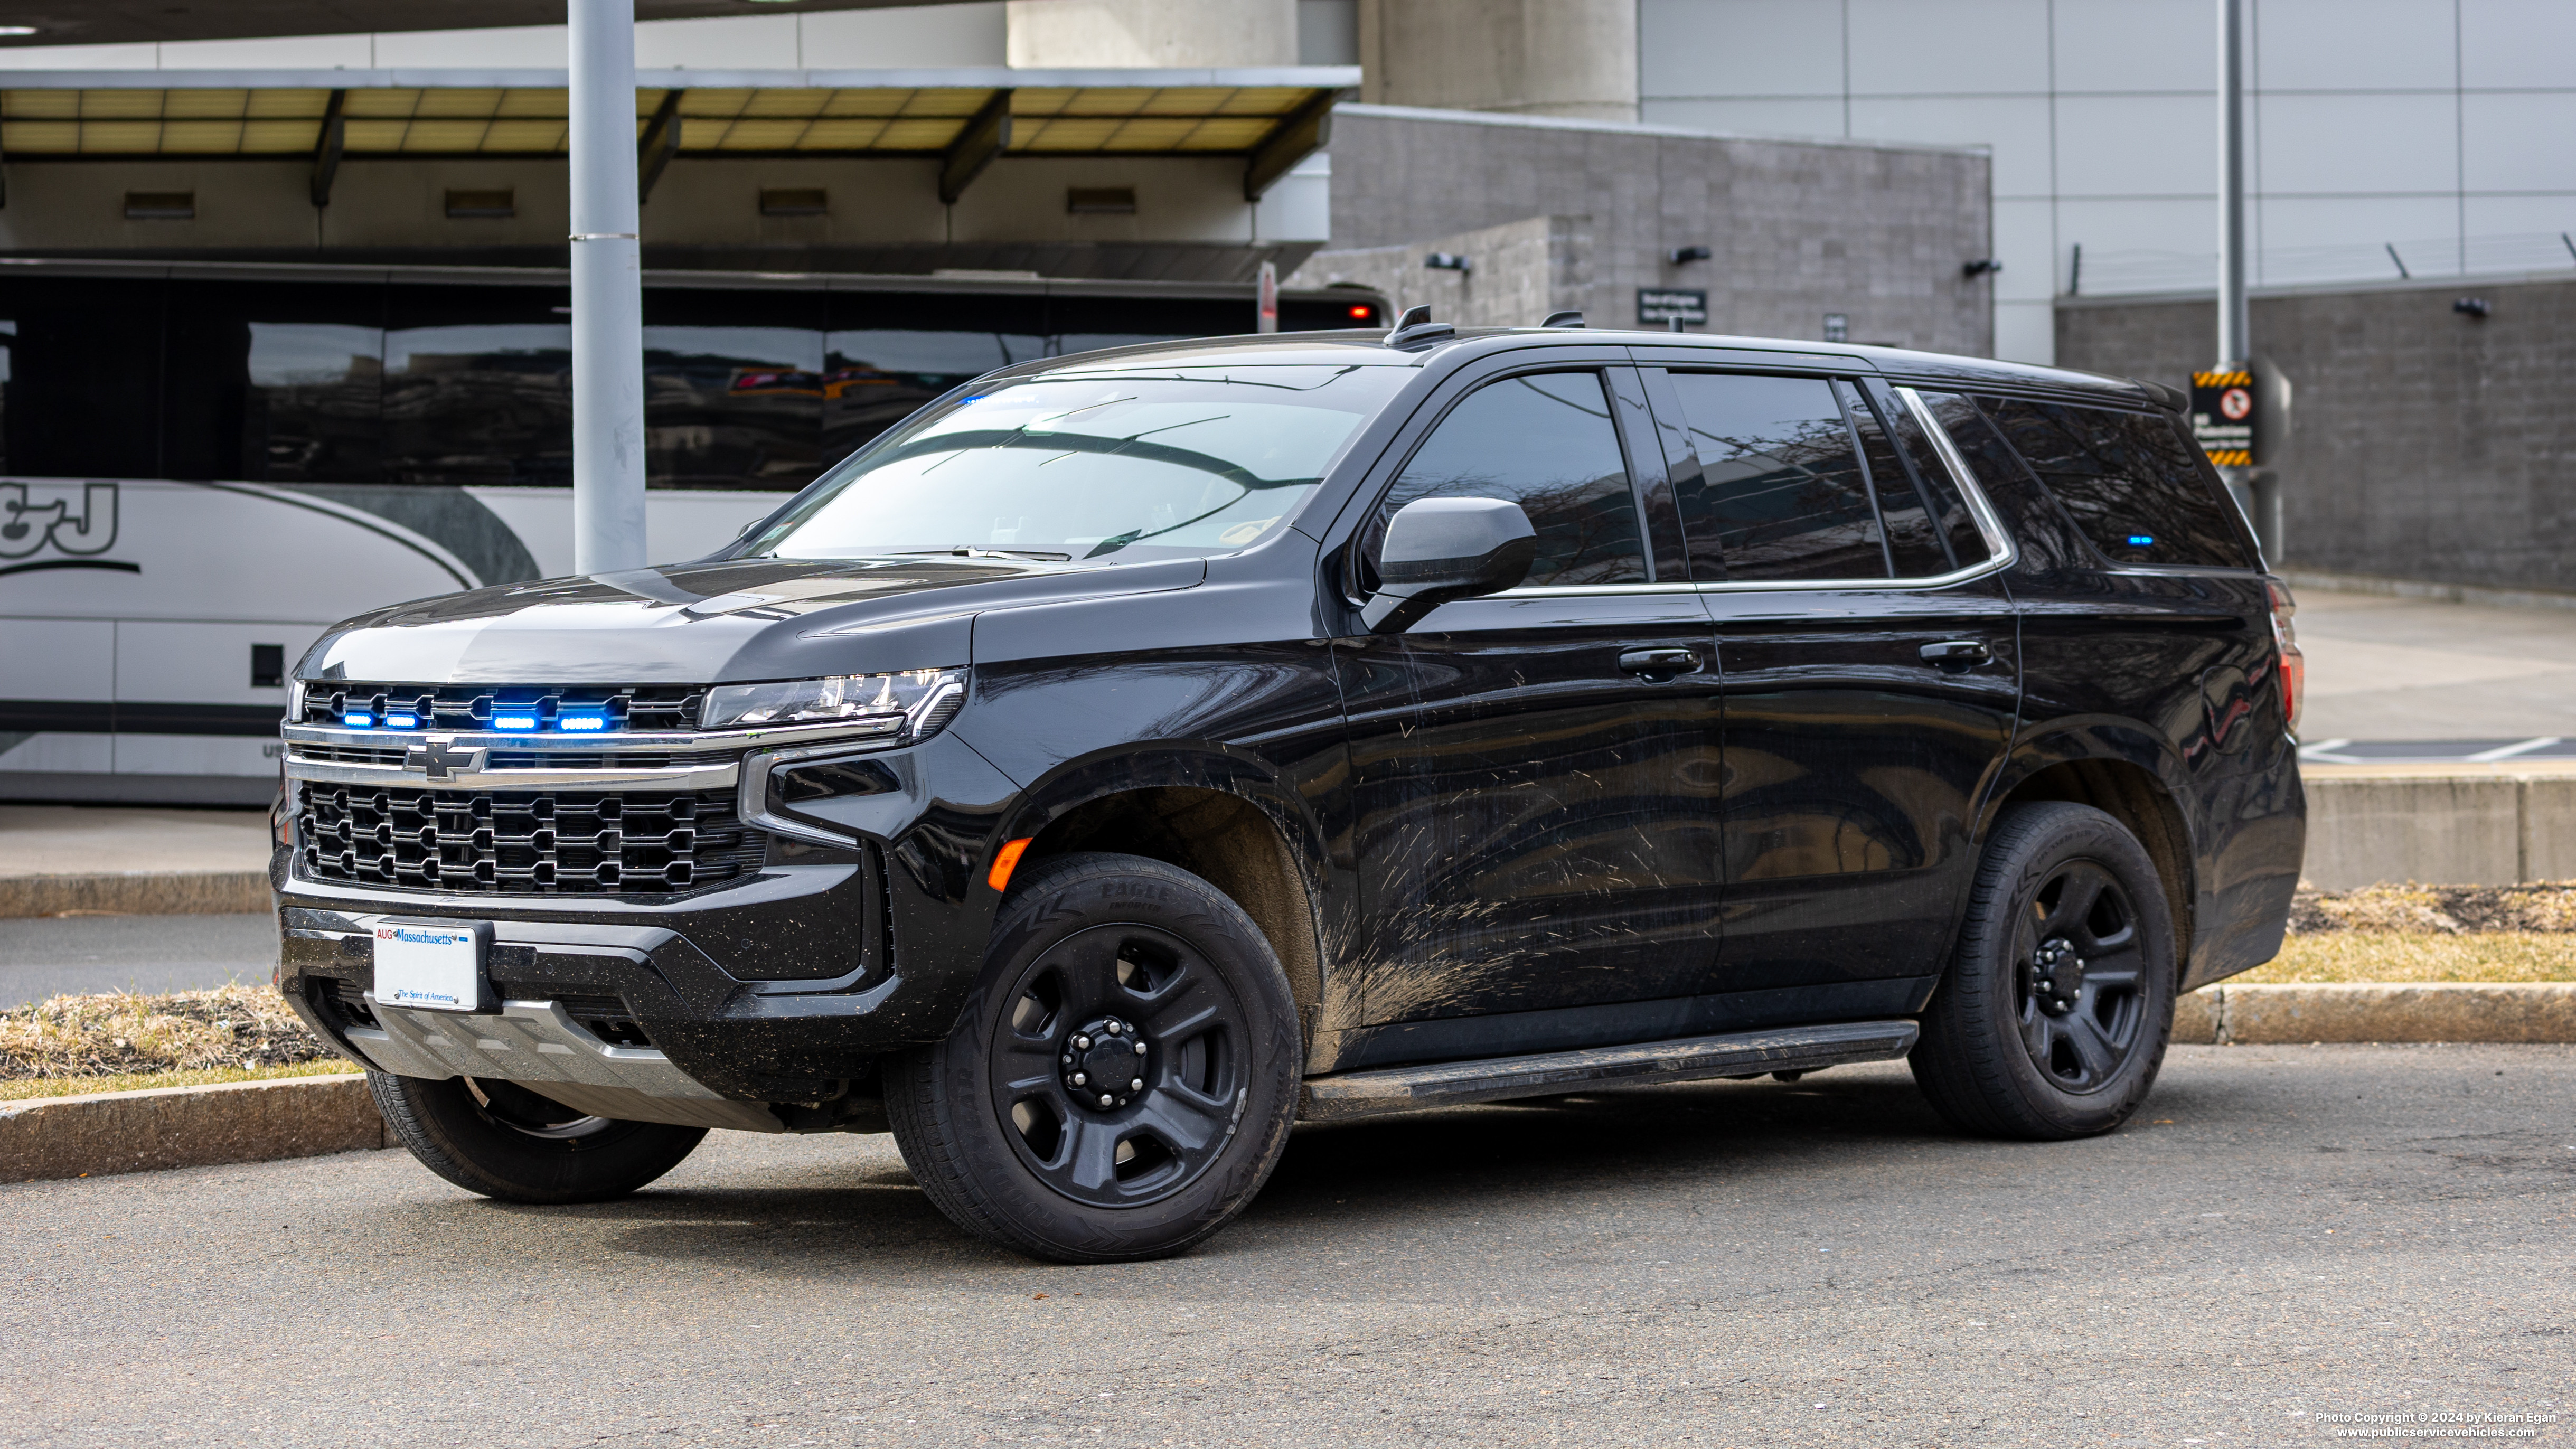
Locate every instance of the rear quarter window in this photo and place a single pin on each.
(2128, 480)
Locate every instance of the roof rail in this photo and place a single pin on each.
(1563, 319)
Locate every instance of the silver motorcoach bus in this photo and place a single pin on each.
(204, 464)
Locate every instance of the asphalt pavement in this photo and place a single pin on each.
(2284, 1234)
(48, 955)
(2386, 671)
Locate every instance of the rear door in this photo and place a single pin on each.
(1869, 674)
(1536, 772)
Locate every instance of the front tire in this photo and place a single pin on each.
(2054, 1016)
(504, 1141)
(1124, 1077)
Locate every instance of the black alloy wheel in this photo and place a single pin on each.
(1124, 1078)
(2081, 960)
(1118, 1069)
(2052, 1019)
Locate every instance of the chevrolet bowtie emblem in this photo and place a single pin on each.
(440, 759)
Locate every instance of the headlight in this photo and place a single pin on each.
(915, 702)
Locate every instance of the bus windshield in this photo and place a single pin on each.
(1128, 467)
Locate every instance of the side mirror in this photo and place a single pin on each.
(1438, 549)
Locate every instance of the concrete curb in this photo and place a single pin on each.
(138, 893)
(2463, 1011)
(112, 1132)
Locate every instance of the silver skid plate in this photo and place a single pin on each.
(540, 1046)
(1647, 1064)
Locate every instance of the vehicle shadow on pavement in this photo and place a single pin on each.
(864, 1218)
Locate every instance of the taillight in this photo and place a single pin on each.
(2285, 638)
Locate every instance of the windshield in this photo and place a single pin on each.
(1132, 467)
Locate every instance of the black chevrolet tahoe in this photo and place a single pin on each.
(1130, 755)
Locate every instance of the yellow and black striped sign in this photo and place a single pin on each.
(2222, 416)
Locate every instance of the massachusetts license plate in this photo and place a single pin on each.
(430, 965)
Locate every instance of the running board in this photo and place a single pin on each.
(1647, 1064)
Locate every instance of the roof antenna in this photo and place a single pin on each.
(1415, 326)
(1563, 319)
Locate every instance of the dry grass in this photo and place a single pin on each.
(2446, 910)
(122, 1034)
(25, 1088)
(2381, 955)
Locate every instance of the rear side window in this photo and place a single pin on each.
(2127, 479)
(1781, 492)
(1963, 544)
(1546, 443)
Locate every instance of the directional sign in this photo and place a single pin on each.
(2222, 416)
(1660, 306)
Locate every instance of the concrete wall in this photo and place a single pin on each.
(1076, 33)
(2449, 829)
(1524, 271)
(1799, 229)
(1571, 58)
(2427, 446)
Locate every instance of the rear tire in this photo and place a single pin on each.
(1124, 1077)
(2053, 1018)
(504, 1141)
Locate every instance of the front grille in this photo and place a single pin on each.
(468, 708)
(530, 842)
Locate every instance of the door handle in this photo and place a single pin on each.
(1664, 662)
(1958, 653)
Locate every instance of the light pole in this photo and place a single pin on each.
(607, 294)
(2256, 489)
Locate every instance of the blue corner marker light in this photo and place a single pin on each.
(585, 723)
(514, 721)
(358, 720)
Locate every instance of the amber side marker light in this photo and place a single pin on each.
(1006, 861)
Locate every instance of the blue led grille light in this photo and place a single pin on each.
(402, 721)
(514, 721)
(358, 720)
(585, 723)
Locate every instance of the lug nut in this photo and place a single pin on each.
(1068, 1059)
(1079, 1079)
(1137, 1085)
(1140, 1048)
(1082, 1043)
(1112, 1025)
(1104, 1099)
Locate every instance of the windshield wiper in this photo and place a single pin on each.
(1036, 553)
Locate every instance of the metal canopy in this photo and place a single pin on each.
(104, 22)
(94, 115)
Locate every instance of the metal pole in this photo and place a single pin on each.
(2233, 316)
(2232, 328)
(607, 294)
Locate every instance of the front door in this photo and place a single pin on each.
(1536, 772)
(1868, 652)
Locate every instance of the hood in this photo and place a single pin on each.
(715, 622)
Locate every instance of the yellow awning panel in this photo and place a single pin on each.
(510, 121)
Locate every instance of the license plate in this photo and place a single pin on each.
(430, 965)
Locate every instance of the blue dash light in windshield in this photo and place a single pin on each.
(2142, 540)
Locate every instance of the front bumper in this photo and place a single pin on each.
(785, 986)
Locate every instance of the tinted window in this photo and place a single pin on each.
(478, 386)
(80, 377)
(1914, 547)
(1963, 542)
(1781, 492)
(275, 382)
(2041, 530)
(1547, 444)
(2127, 479)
